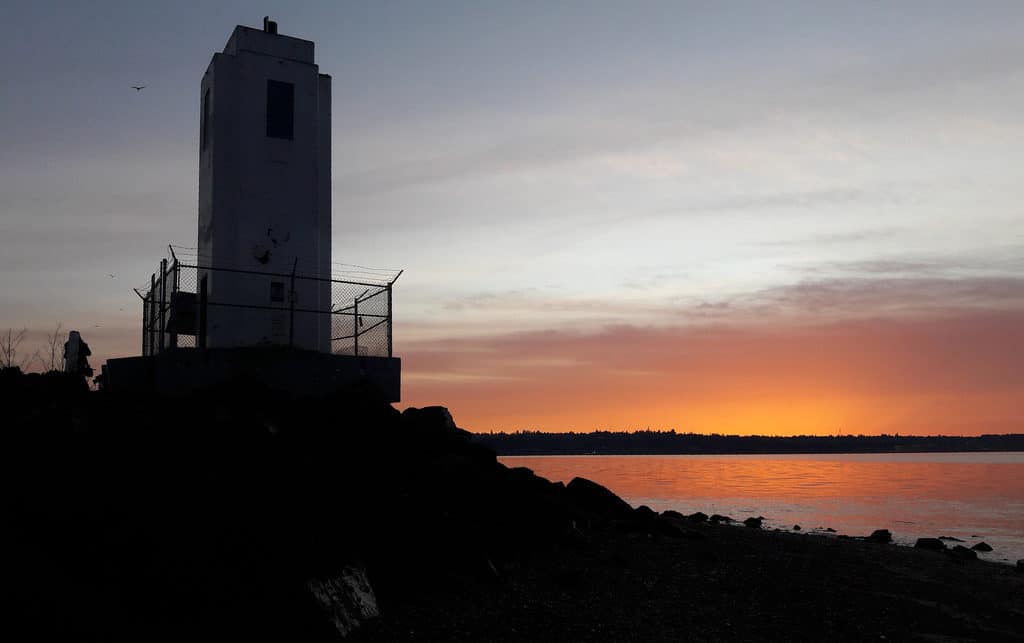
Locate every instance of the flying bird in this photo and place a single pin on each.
(138, 88)
(111, 276)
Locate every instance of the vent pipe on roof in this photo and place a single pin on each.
(269, 25)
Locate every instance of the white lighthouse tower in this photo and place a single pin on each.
(265, 192)
(257, 303)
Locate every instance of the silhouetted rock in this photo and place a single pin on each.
(525, 478)
(645, 512)
(830, 530)
(672, 530)
(753, 523)
(647, 520)
(951, 539)
(698, 516)
(982, 546)
(880, 536)
(437, 416)
(933, 544)
(1020, 565)
(717, 518)
(597, 499)
(963, 553)
(796, 527)
(674, 515)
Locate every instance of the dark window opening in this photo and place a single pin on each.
(280, 109)
(204, 138)
(276, 291)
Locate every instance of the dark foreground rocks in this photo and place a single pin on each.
(232, 516)
(963, 553)
(932, 544)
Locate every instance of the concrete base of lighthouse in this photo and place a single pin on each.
(291, 372)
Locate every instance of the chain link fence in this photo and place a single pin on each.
(188, 305)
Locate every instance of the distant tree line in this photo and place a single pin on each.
(670, 442)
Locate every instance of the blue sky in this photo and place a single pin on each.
(538, 165)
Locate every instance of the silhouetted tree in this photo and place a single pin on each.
(10, 344)
(54, 350)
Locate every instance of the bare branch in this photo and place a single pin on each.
(10, 342)
(56, 349)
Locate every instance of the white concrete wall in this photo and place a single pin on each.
(264, 203)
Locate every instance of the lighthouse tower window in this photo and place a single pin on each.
(280, 109)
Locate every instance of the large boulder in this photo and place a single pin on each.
(698, 516)
(595, 499)
(645, 513)
(753, 523)
(963, 553)
(982, 546)
(524, 478)
(430, 417)
(932, 544)
(880, 536)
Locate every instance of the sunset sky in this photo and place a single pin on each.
(736, 217)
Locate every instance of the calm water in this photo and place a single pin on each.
(971, 496)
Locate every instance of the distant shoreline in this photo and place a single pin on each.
(610, 453)
(536, 443)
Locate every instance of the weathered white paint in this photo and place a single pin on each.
(264, 203)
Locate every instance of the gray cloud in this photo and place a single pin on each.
(838, 238)
(924, 81)
(838, 298)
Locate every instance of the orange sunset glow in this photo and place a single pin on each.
(954, 375)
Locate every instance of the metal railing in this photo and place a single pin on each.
(186, 305)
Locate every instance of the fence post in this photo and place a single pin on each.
(201, 330)
(145, 325)
(152, 306)
(163, 300)
(355, 327)
(174, 289)
(291, 307)
(389, 321)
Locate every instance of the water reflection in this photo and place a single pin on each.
(973, 496)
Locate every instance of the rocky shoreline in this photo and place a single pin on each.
(228, 515)
(884, 536)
